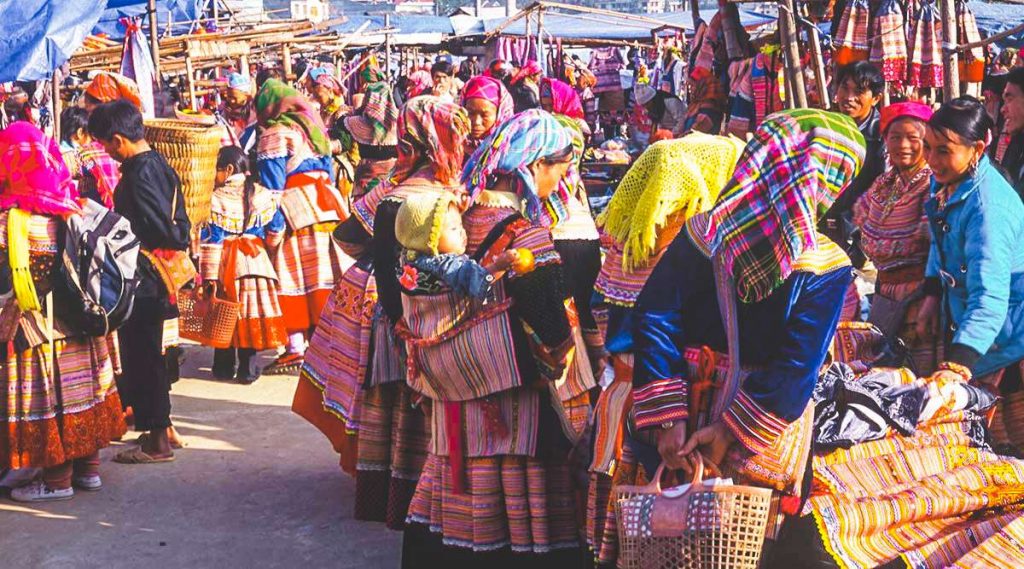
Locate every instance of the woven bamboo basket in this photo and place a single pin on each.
(206, 319)
(703, 527)
(191, 149)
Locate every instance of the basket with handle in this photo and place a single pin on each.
(206, 319)
(191, 149)
(704, 526)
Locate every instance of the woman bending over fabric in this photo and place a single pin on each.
(976, 262)
(496, 488)
(895, 234)
(757, 290)
(294, 160)
(670, 182)
(489, 105)
(61, 411)
(354, 359)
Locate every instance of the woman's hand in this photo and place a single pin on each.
(670, 445)
(713, 442)
(927, 325)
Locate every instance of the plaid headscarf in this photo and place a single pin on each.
(493, 90)
(375, 123)
(564, 99)
(420, 83)
(790, 173)
(278, 103)
(509, 150)
(431, 130)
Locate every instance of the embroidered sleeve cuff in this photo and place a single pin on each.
(660, 401)
(753, 426)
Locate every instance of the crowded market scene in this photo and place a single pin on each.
(714, 285)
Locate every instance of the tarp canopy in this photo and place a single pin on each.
(38, 36)
(181, 12)
(589, 26)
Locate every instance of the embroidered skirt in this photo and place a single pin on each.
(260, 321)
(392, 447)
(51, 420)
(308, 265)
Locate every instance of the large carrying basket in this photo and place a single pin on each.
(191, 149)
(206, 319)
(705, 526)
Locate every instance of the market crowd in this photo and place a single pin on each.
(828, 304)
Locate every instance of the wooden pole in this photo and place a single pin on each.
(286, 61)
(787, 25)
(190, 76)
(387, 46)
(819, 61)
(154, 42)
(950, 59)
(56, 102)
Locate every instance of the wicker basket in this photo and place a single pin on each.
(206, 319)
(705, 526)
(191, 149)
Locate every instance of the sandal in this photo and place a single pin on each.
(286, 363)
(138, 456)
(142, 439)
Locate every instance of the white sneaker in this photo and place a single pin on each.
(38, 491)
(90, 483)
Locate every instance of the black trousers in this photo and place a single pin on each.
(224, 363)
(145, 382)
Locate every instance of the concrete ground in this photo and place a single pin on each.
(256, 487)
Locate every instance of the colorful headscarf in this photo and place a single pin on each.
(509, 150)
(370, 73)
(684, 174)
(908, 109)
(790, 173)
(33, 176)
(324, 77)
(564, 99)
(431, 130)
(529, 69)
(106, 87)
(492, 90)
(375, 123)
(420, 83)
(278, 103)
(240, 82)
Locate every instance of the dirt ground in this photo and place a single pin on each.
(256, 487)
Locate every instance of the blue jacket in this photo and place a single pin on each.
(978, 252)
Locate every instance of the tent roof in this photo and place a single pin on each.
(38, 36)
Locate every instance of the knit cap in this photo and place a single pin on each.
(419, 220)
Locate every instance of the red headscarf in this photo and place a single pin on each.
(107, 87)
(33, 176)
(529, 69)
(909, 109)
(493, 90)
(564, 99)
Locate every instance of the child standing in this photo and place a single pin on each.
(233, 256)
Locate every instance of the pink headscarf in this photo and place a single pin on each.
(529, 69)
(909, 109)
(33, 176)
(420, 83)
(493, 90)
(564, 99)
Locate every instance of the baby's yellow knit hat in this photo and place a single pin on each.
(419, 220)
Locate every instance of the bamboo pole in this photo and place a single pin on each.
(950, 60)
(787, 25)
(154, 42)
(814, 44)
(992, 39)
(56, 102)
(190, 77)
(387, 46)
(286, 61)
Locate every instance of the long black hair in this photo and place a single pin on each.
(966, 117)
(235, 157)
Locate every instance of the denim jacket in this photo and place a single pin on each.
(978, 252)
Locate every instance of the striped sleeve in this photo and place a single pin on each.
(660, 401)
(754, 427)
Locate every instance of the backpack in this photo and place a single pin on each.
(94, 285)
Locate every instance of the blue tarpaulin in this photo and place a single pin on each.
(180, 11)
(38, 36)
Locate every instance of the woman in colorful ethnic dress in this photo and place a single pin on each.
(488, 104)
(756, 291)
(294, 160)
(894, 229)
(354, 378)
(371, 131)
(54, 422)
(976, 260)
(670, 182)
(496, 488)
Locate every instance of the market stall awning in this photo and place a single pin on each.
(38, 36)
(180, 12)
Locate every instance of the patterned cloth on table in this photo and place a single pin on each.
(971, 62)
(925, 47)
(763, 221)
(889, 42)
(851, 40)
(932, 499)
